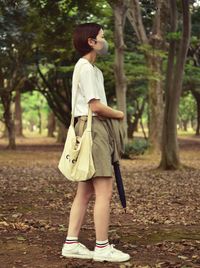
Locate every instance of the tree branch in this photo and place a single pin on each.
(183, 47)
(134, 15)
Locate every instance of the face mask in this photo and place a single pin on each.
(104, 49)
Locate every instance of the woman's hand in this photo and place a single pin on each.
(120, 115)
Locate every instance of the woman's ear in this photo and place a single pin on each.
(91, 41)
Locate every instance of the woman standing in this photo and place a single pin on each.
(89, 41)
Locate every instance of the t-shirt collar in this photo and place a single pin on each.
(87, 61)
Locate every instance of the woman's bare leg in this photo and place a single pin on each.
(84, 192)
(103, 187)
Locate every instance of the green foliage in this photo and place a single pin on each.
(187, 107)
(48, 25)
(175, 36)
(148, 49)
(137, 147)
(192, 73)
(32, 104)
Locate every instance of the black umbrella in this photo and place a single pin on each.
(120, 185)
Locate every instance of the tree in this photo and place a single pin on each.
(39, 32)
(173, 87)
(187, 111)
(192, 77)
(54, 55)
(18, 114)
(119, 10)
(13, 50)
(152, 40)
(51, 124)
(196, 94)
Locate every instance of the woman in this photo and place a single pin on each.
(89, 41)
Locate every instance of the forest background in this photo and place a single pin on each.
(37, 60)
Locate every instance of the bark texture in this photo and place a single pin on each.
(6, 98)
(18, 115)
(175, 68)
(120, 9)
(51, 124)
(155, 42)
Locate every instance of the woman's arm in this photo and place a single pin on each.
(103, 110)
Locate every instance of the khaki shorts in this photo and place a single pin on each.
(102, 147)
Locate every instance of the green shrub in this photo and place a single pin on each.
(137, 147)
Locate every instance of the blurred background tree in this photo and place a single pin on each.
(37, 61)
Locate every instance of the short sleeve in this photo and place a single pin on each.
(88, 83)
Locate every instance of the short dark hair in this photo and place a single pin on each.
(81, 34)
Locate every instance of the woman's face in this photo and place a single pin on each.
(100, 37)
(99, 44)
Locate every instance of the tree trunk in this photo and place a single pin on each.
(133, 127)
(198, 119)
(196, 95)
(6, 97)
(18, 114)
(185, 122)
(39, 120)
(154, 62)
(51, 124)
(155, 86)
(62, 132)
(121, 87)
(156, 105)
(170, 151)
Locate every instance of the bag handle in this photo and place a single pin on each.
(75, 86)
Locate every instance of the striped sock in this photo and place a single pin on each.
(71, 240)
(102, 244)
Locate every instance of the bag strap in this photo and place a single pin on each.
(75, 87)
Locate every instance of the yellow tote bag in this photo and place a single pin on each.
(76, 162)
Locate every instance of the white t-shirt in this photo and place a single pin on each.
(91, 86)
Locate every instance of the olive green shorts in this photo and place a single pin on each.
(102, 147)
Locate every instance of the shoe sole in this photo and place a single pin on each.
(111, 260)
(77, 256)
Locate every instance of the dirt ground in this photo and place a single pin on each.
(161, 228)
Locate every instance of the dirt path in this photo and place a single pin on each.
(160, 229)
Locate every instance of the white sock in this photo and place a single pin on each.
(102, 244)
(71, 240)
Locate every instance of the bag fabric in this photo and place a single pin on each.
(76, 162)
(102, 146)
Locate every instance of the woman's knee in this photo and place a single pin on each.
(103, 188)
(84, 198)
(104, 195)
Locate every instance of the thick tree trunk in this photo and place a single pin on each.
(6, 97)
(170, 151)
(156, 105)
(120, 79)
(154, 61)
(155, 86)
(51, 124)
(18, 115)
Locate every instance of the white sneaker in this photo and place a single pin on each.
(76, 251)
(110, 254)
